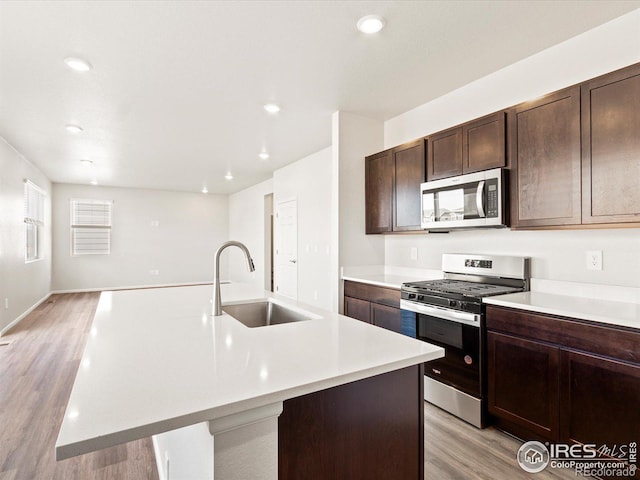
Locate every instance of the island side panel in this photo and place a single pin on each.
(372, 428)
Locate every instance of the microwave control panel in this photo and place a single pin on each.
(492, 198)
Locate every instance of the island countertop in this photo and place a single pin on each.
(156, 360)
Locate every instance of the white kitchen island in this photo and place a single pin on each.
(156, 361)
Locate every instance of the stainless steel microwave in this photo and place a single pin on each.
(466, 201)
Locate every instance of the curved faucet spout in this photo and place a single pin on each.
(217, 303)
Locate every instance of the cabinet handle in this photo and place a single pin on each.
(436, 371)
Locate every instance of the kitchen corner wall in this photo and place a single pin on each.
(22, 285)
(247, 225)
(190, 226)
(556, 255)
(309, 182)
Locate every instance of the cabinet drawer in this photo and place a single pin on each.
(569, 333)
(372, 293)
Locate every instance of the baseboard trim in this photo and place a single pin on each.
(27, 312)
(132, 287)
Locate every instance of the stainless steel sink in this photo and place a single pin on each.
(265, 313)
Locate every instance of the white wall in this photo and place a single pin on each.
(557, 255)
(353, 138)
(246, 225)
(191, 227)
(24, 285)
(309, 181)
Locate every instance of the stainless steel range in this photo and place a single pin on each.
(450, 313)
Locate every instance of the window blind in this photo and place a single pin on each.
(90, 227)
(33, 220)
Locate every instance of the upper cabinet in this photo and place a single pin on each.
(484, 145)
(545, 151)
(409, 164)
(611, 148)
(445, 154)
(472, 147)
(573, 155)
(379, 180)
(392, 188)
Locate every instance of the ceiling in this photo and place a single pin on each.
(174, 100)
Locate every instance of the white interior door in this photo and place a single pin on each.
(286, 252)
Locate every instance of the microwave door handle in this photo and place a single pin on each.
(480, 199)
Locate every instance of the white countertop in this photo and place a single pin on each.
(389, 277)
(156, 360)
(625, 314)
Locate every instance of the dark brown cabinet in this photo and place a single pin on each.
(445, 154)
(598, 392)
(372, 304)
(358, 309)
(379, 180)
(409, 165)
(523, 383)
(561, 379)
(611, 148)
(368, 429)
(484, 143)
(392, 188)
(472, 147)
(545, 150)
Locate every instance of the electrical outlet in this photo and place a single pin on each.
(414, 253)
(6, 303)
(154, 272)
(594, 260)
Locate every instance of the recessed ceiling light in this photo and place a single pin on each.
(370, 24)
(86, 162)
(263, 156)
(77, 64)
(93, 182)
(272, 108)
(73, 128)
(228, 176)
(204, 190)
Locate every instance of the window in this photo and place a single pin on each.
(33, 221)
(90, 227)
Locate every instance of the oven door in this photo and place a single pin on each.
(459, 334)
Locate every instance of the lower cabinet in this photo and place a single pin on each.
(379, 306)
(358, 309)
(563, 380)
(523, 383)
(599, 400)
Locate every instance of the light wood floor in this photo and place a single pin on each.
(37, 371)
(455, 450)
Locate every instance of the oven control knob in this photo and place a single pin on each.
(412, 296)
(420, 297)
(453, 303)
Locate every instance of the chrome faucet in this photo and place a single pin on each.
(217, 304)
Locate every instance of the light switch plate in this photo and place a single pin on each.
(414, 253)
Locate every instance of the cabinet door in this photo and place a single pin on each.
(599, 400)
(545, 151)
(386, 317)
(379, 180)
(358, 309)
(523, 384)
(409, 162)
(445, 154)
(611, 148)
(484, 144)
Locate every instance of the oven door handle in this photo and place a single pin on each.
(467, 318)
